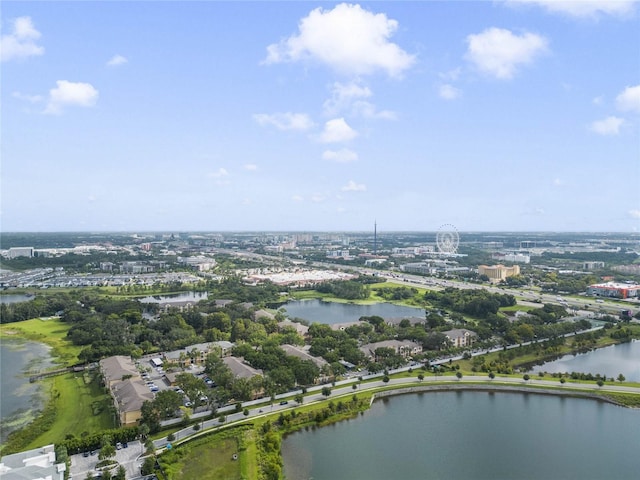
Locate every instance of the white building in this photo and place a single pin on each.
(36, 464)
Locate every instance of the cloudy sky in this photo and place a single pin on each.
(313, 116)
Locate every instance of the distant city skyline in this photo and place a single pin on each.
(516, 115)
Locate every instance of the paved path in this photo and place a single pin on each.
(345, 388)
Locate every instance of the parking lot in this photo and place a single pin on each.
(128, 457)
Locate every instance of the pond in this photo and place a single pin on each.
(15, 298)
(610, 361)
(332, 312)
(179, 297)
(471, 435)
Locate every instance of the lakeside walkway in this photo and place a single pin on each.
(398, 386)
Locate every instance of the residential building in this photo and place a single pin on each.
(117, 369)
(128, 397)
(460, 337)
(303, 354)
(240, 369)
(127, 389)
(37, 464)
(404, 348)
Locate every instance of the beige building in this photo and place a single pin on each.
(127, 389)
(460, 337)
(497, 273)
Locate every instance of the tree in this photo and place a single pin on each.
(107, 449)
(326, 391)
(492, 375)
(600, 383)
(621, 378)
(526, 377)
(458, 375)
(420, 377)
(299, 398)
(121, 474)
(563, 380)
(385, 379)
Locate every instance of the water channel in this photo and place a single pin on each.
(332, 312)
(472, 435)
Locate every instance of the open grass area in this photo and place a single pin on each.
(211, 457)
(51, 331)
(80, 406)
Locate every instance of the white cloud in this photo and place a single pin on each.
(354, 187)
(629, 99)
(27, 98)
(499, 52)
(343, 96)
(317, 198)
(337, 130)
(598, 101)
(558, 182)
(285, 121)
(582, 8)
(297, 198)
(21, 42)
(71, 94)
(449, 92)
(635, 213)
(340, 156)
(451, 75)
(609, 126)
(252, 167)
(348, 39)
(116, 61)
(220, 173)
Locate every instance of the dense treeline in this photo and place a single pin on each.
(347, 289)
(40, 306)
(478, 303)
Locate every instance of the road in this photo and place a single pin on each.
(346, 388)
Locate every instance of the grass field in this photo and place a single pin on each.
(51, 331)
(80, 406)
(209, 458)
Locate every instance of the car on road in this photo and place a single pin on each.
(284, 402)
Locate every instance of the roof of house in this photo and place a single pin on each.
(303, 355)
(459, 333)
(131, 394)
(395, 344)
(239, 368)
(299, 327)
(262, 314)
(118, 366)
(412, 320)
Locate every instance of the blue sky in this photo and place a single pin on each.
(314, 116)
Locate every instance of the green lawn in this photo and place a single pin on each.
(208, 458)
(80, 406)
(51, 331)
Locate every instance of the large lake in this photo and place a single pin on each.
(610, 361)
(332, 312)
(472, 435)
(19, 399)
